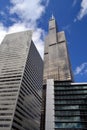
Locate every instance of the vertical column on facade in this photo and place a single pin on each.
(49, 121)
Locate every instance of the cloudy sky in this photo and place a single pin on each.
(71, 16)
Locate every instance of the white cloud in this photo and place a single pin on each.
(14, 28)
(75, 20)
(83, 10)
(82, 69)
(3, 32)
(67, 28)
(47, 2)
(85, 71)
(2, 13)
(37, 39)
(74, 3)
(28, 11)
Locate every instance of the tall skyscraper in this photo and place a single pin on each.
(56, 58)
(64, 102)
(20, 83)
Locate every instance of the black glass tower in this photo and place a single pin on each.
(64, 102)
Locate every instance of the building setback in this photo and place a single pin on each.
(64, 104)
(20, 83)
(56, 59)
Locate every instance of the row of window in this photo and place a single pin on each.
(68, 125)
(4, 91)
(7, 94)
(10, 83)
(71, 92)
(7, 77)
(4, 109)
(5, 114)
(70, 102)
(4, 125)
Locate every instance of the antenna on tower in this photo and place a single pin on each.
(52, 16)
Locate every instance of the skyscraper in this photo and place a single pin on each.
(64, 102)
(56, 58)
(20, 83)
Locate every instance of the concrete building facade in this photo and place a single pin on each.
(56, 59)
(20, 83)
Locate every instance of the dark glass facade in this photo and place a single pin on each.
(28, 109)
(70, 105)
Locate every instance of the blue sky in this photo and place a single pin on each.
(71, 16)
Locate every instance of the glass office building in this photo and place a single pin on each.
(20, 83)
(64, 104)
(70, 101)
